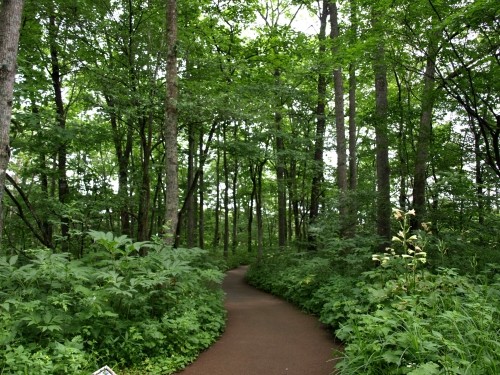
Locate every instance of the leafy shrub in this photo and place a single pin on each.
(398, 318)
(63, 316)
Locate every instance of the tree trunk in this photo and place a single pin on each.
(10, 24)
(62, 181)
(201, 192)
(479, 177)
(146, 132)
(191, 199)
(403, 162)
(353, 152)
(317, 178)
(170, 128)
(216, 239)
(258, 209)
(280, 167)
(338, 83)
(123, 157)
(381, 138)
(226, 191)
(234, 188)
(425, 133)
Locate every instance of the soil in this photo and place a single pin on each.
(265, 336)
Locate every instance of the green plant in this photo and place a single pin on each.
(60, 316)
(411, 253)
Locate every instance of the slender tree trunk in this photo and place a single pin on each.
(215, 242)
(201, 192)
(479, 177)
(338, 83)
(280, 167)
(258, 208)
(146, 129)
(253, 177)
(403, 163)
(425, 133)
(10, 24)
(170, 128)
(226, 191)
(190, 204)
(353, 151)
(381, 137)
(45, 224)
(123, 153)
(317, 178)
(294, 198)
(234, 188)
(62, 182)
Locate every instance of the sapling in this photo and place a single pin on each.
(412, 252)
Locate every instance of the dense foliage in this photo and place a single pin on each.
(297, 125)
(400, 317)
(65, 316)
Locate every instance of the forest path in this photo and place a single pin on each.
(265, 336)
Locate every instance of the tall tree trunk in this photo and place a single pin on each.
(258, 209)
(10, 24)
(253, 177)
(226, 190)
(62, 182)
(403, 162)
(381, 135)
(123, 153)
(216, 239)
(319, 138)
(425, 133)
(170, 128)
(317, 178)
(46, 226)
(479, 177)
(353, 152)
(234, 189)
(146, 133)
(280, 166)
(338, 83)
(294, 198)
(201, 192)
(190, 204)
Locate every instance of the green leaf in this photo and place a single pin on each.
(13, 260)
(393, 356)
(428, 368)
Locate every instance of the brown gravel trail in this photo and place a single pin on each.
(265, 336)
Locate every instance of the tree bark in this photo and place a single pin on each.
(170, 127)
(338, 84)
(381, 136)
(234, 189)
(122, 152)
(353, 149)
(62, 179)
(190, 200)
(425, 134)
(225, 165)
(201, 192)
(317, 178)
(146, 133)
(280, 167)
(10, 24)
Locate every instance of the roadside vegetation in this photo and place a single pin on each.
(405, 311)
(154, 312)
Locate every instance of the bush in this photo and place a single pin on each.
(399, 317)
(63, 316)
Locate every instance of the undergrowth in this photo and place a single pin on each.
(154, 313)
(399, 317)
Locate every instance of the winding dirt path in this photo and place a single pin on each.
(265, 336)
